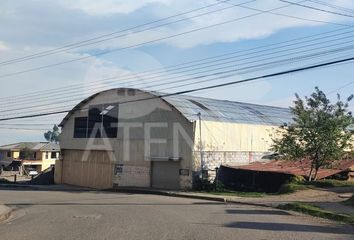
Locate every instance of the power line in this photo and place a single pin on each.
(188, 63)
(183, 85)
(34, 56)
(277, 63)
(26, 129)
(333, 6)
(60, 96)
(259, 67)
(26, 98)
(166, 38)
(339, 88)
(206, 88)
(128, 30)
(318, 9)
(27, 124)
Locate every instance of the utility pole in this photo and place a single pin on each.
(200, 144)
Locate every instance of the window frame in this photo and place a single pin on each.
(100, 120)
(77, 133)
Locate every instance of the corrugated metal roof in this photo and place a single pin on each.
(41, 146)
(229, 111)
(296, 167)
(51, 147)
(212, 109)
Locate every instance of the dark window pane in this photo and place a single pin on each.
(95, 121)
(80, 127)
(121, 92)
(53, 155)
(131, 92)
(110, 120)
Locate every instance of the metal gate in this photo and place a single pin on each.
(165, 174)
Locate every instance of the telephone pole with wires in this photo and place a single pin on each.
(201, 145)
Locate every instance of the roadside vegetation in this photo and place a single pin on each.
(294, 186)
(319, 135)
(317, 212)
(237, 193)
(217, 188)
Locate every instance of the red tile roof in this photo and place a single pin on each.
(301, 168)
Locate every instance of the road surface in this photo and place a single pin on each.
(102, 215)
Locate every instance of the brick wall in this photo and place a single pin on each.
(213, 159)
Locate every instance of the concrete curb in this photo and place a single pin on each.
(187, 195)
(139, 191)
(46, 187)
(5, 213)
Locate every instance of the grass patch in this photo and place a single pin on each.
(317, 212)
(291, 188)
(328, 183)
(236, 193)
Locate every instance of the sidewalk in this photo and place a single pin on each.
(328, 199)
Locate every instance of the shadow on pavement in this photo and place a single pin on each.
(257, 212)
(287, 227)
(110, 204)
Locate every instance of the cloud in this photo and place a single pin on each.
(24, 31)
(246, 23)
(87, 19)
(108, 7)
(3, 46)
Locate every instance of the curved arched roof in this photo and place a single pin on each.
(213, 109)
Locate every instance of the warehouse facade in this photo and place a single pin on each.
(129, 137)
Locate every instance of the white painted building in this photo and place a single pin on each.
(129, 137)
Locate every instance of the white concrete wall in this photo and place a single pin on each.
(231, 143)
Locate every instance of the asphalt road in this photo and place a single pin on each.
(100, 215)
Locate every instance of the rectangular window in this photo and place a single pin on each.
(80, 127)
(9, 154)
(53, 155)
(102, 121)
(46, 155)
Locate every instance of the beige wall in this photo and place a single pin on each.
(41, 161)
(224, 136)
(16, 154)
(95, 172)
(47, 162)
(136, 169)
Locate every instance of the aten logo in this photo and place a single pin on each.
(175, 134)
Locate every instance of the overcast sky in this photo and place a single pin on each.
(32, 26)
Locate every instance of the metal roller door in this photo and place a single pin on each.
(165, 174)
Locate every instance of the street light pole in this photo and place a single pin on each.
(200, 145)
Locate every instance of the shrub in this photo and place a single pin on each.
(291, 188)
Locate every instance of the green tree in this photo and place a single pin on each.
(319, 132)
(52, 136)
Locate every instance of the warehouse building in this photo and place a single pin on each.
(128, 137)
